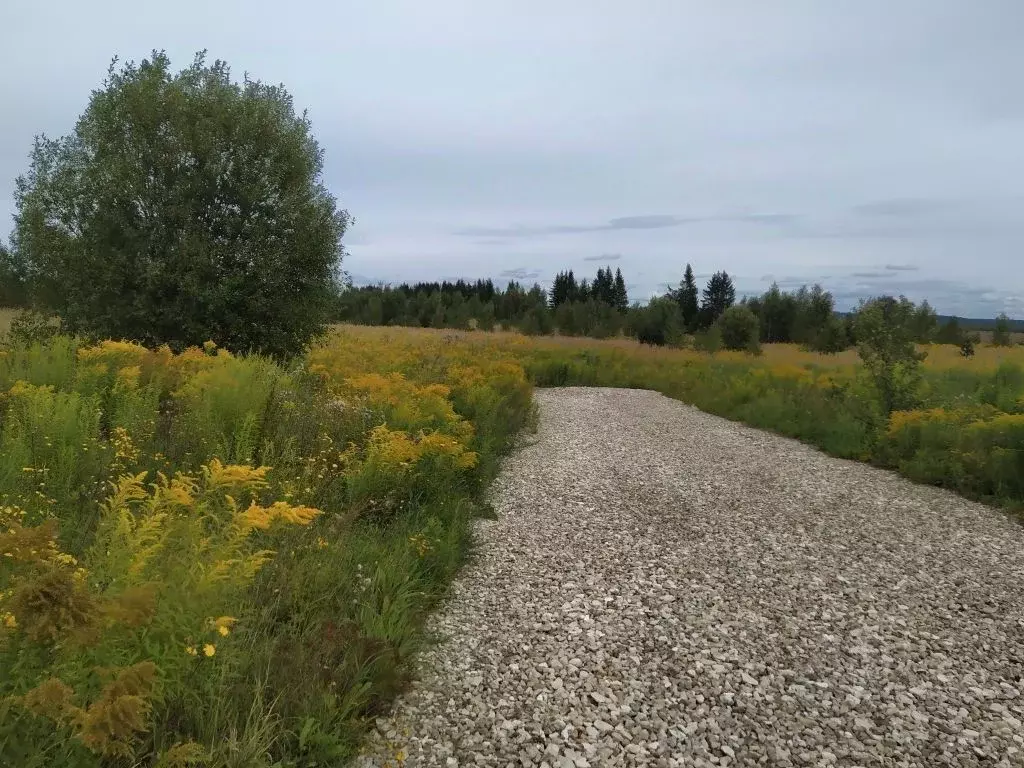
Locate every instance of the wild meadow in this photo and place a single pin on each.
(216, 560)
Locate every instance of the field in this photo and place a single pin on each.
(227, 561)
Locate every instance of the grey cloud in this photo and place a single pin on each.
(621, 223)
(604, 257)
(901, 267)
(520, 273)
(646, 222)
(758, 218)
(903, 207)
(871, 275)
(652, 221)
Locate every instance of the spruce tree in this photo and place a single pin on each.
(620, 297)
(687, 296)
(719, 295)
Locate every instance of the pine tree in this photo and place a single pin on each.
(719, 295)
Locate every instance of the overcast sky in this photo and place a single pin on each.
(872, 146)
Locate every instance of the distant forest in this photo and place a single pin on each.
(599, 307)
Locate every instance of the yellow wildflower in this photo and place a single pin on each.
(218, 475)
(209, 649)
(190, 650)
(223, 625)
(128, 377)
(10, 621)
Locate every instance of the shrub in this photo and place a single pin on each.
(885, 342)
(31, 326)
(1001, 336)
(709, 341)
(658, 323)
(740, 329)
(831, 338)
(183, 207)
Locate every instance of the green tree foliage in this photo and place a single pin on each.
(564, 288)
(460, 304)
(950, 332)
(805, 317)
(740, 329)
(184, 206)
(831, 338)
(687, 297)
(593, 318)
(603, 287)
(925, 323)
(608, 288)
(885, 333)
(14, 283)
(1001, 335)
(659, 322)
(719, 295)
(777, 312)
(620, 298)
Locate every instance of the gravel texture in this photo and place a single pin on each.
(664, 587)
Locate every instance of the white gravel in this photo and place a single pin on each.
(665, 587)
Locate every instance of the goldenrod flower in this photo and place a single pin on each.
(223, 625)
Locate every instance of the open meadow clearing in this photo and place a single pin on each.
(226, 558)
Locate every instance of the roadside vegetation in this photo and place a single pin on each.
(219, 560)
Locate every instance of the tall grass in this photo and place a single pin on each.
(222, 561)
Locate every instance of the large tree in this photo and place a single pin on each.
(719, 295)
(621, 297)
(184, 206)
(13, 278)
(687, 296)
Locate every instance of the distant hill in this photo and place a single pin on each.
(981, 324)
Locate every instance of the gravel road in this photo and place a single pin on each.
(664, 587)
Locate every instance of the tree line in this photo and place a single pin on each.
(587, 307)
(599, 307)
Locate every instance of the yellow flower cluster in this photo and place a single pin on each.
(218, 475)
(261, 518)
(397, 448)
